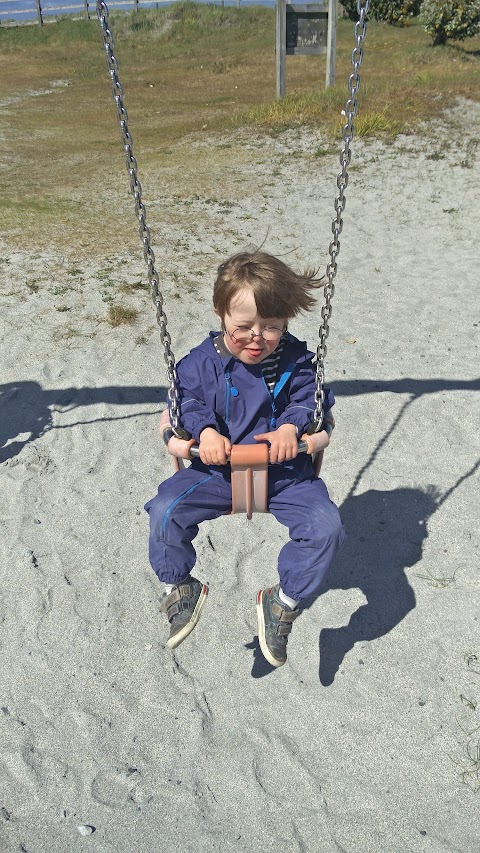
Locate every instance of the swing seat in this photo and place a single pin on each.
(248, 462)
(249, 466)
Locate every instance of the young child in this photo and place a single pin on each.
(252, 381)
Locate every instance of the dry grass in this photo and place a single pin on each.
(468, 763)
(120, 315)
(187, 69)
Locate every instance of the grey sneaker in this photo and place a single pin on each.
(275, 621)
(183, 606)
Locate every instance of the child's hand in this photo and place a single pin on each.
(214, 448)
(283, 443)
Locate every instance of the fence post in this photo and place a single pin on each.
(281, 46)
(87, 11)
(331, 43)
(39, 12)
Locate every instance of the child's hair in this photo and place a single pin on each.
(278, 291)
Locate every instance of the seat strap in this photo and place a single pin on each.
(249, 465)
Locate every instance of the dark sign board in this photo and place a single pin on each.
(306, 28)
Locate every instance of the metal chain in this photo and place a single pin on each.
(136, 189)
(351, 108)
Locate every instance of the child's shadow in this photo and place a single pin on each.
(385, 534)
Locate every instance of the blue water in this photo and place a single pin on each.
(25, 10)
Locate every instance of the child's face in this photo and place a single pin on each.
(244, 319)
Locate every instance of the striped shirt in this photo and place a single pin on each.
(269, 365)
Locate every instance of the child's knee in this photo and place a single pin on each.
(327, 524)
(157, 509)
(337, 530)
(336, 526)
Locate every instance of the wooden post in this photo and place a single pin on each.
(281, 46)
(39, 12)
(331, 43)
(87, 11)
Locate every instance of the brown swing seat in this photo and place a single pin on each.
(249, 464)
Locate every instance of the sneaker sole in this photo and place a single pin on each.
(187, 629)
(261, 634)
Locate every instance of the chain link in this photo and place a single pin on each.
(136, 190)
(351, 108)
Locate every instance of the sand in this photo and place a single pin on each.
(368, 739)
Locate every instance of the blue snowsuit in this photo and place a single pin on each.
(225, 393)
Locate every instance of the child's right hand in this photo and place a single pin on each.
(214, 448)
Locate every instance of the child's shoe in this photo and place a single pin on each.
(183, 606)
(274, 625)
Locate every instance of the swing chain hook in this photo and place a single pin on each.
(136, 190)
(351, 109)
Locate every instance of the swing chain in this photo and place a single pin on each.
(136, 190)
(351, 108)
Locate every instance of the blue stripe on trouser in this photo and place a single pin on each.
(177, 501)
(181, 504)
(189, 497)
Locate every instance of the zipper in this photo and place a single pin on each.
(273, 419)
(230, 391)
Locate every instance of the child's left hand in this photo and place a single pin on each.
(283, 443)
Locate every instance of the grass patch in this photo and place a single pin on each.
(372, 123)
(187, 70)
(68, 334)
(120, 315)
(134, 287)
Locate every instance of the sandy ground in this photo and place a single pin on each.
(368, 739)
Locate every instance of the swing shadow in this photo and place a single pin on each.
(27, 409)
(386, 529)
(385, 534)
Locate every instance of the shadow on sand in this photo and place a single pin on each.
(386, 529)
(385, 535)
(27, 409)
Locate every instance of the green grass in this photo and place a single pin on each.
(187, 69)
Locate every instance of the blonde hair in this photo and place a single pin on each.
(278, 291)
